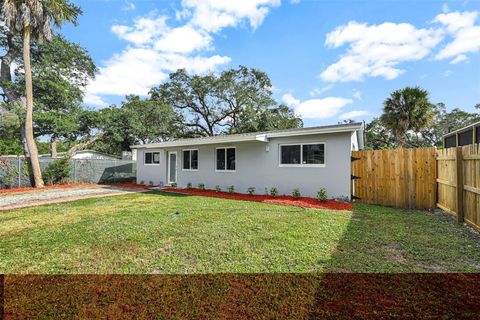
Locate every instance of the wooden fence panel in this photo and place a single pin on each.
(459, 182)
(421, 178)
(446, 179)
(471, 184)
(402, 178)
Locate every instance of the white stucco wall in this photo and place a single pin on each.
(259, 168)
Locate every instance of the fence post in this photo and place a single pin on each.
(19, 173)
(74, 171)
(459, 183)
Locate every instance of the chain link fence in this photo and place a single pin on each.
(14, 171)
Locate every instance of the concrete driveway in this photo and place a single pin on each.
(46, 196)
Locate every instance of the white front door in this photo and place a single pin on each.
(172, 167)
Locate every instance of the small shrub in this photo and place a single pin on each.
(322, 194)
(142, 183)
(251, 191)
(201, 186)
(231, 189)
(173, 185)
(189, 185)
(150, 183)
(274, 192)
(57, 171)
(217, 188)
(296, 193)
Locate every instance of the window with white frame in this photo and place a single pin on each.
(190, 159)
(151, 158)
(226, 158)
(302, 154)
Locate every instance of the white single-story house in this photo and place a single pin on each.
(305, 158)
(86, 154)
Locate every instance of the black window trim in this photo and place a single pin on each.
(226, 170)
(153, 163)
(183, 159)
(301, 164)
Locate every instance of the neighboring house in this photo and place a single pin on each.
(86, 154)
(306, 158)
(462, 137)
(129, 155)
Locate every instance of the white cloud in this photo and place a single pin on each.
(316, 108)
(466, 35)
(137, 70)
(377, 50)
(93, 100)
(155, 48)
(354, 114)
(214, 15)
(318, 91)
(357, 94)
(184, 39)
(445, 8)
(459, 58)
(290, 100)
(144, 30)
(128, 6)
(447, 73)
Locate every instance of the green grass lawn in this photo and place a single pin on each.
(166, 233)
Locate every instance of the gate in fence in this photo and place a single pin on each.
(422, 178)
(403, 178)
(14, 171)
(459, 182)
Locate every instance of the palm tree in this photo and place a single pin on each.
(33, 19)
(407, 109)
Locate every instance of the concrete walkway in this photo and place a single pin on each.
(47, 196)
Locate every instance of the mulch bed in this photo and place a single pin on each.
(59, 186)
(305, 202)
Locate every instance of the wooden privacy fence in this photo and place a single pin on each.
(402, 178)
(459, 182)
(422, 178)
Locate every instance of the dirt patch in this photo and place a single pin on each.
(429, 267)
(66, 186)
(394, 253)
(40, 197)
(282, 200)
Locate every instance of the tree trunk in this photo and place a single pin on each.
(53, 147)
(82, 145)
(32, 146)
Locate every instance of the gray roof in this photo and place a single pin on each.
(256, 136)
(476, 124)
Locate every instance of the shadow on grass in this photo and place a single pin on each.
(243, 296)
(267, 296)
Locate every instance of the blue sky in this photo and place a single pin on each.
(329, 60)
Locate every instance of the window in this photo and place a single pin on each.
(226, 159)
(291, 154)
(190, 159)
(451, 141)
(152, 158)
(299, 155)
(465, 138)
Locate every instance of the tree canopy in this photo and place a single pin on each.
(236, 100)
(407, 109)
